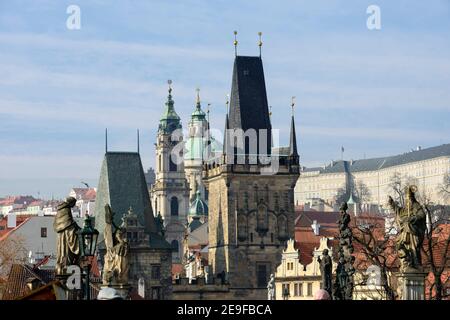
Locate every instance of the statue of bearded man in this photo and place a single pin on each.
(411, 224)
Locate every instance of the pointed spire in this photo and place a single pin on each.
(293, 138)
(106, 140)
(225, 135)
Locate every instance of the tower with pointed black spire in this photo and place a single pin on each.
(251, 201)
(170, 193)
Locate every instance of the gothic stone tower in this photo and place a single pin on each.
(170, 193)
(251, 214)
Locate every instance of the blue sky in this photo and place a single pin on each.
(377, 92)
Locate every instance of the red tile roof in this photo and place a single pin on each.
(5, 231)
(19, 275)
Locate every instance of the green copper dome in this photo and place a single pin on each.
(170, 121)
(198, 206)
(194, 147)
(198, 114)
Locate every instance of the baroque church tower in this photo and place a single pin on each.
(195, 147)
(251, 207)
(170, 193)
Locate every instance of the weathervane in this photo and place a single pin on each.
(235, 43)
(169, 82)
(260, 43)
(270, 111)
(292, 105)
(228, 102)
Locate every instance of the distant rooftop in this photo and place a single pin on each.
(384, 162)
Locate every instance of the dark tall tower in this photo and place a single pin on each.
(251, 213)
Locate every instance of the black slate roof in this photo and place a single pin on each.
(248, 103)
(384, 162)
(122, 185)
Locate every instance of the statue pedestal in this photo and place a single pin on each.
(411, 285)
(122, 290)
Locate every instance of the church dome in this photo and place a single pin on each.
(194, 147)
(169, 121)
(198, 206)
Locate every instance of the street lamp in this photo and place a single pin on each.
(87, 238)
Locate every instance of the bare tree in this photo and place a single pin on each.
(444, 188)
(398, 184)
(11, 251)
(342, 195)
(436, 247)
(377, 248)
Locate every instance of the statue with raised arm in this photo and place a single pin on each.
(271, 288)
(326, 266)
(411, 227)
(67, 247)
(115, 269)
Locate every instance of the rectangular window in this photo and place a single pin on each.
(300, 289)
(296, 289)
(156, 272)
(309, 289)
(43, 232)
(262, 274)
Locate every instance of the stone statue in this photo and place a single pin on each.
(326, 266)
(271, 288)
(68, 249)
(411, 224)
(343, 285)
(115, 270)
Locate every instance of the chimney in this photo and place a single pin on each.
(11, 220)
(316, 227)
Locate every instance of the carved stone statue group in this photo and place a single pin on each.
(116, 264)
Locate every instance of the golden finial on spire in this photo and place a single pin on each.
(292, 104)
(270, 111)
(260, 43)
(235, 43)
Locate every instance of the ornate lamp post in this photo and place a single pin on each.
(87, 237)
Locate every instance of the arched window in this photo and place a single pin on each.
(159, 164)
(156, 206)
(174, 245)
(174, 206)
